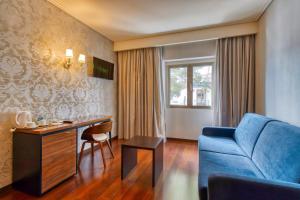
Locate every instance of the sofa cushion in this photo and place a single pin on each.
(277, 152)
(248, 131)
(219, 144)
(211, 163)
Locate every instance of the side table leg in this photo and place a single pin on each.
(157, 163)
(128, 160)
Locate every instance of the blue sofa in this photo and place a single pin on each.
(259, 160)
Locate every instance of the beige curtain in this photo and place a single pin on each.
(140, 95)
(234, 75)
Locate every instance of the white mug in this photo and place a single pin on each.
(30, 125)
(42, 122)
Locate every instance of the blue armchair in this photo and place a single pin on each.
(260, 159)
(225, 187)
(218, 131)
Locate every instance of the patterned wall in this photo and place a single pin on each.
(33, 38)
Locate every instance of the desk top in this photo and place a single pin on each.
(143, 142)
(78, 122)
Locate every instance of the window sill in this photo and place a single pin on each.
(191, 107)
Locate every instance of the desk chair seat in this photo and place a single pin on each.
(97, 134)
(100, 137)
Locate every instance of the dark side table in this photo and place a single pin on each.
(129, 155)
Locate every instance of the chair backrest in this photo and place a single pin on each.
(97, 129)
(248, 131)
(277, 152)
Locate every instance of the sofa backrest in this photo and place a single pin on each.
(277, 152)
(248, 130)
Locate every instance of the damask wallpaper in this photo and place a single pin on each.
(34, 35)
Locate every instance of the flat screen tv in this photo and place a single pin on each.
(100, 68)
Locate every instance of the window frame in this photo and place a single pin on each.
(189, 67)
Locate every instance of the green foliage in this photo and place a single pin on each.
(178, 81)
(199, 81)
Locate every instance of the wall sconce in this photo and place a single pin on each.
(81, 59)
(69, 57)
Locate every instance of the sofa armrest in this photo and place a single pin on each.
(218, 131)
(225, 187)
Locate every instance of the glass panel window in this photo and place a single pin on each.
(190, 85)
(202, 80)
(178, 86)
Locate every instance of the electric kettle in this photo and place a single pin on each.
(21, 118)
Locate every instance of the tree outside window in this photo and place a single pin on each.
(190, 85)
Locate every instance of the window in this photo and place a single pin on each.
(178, 86)
(202, 85)
(190, 85)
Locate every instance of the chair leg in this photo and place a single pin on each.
(110, 139)
(108, 144)
(81, 152)
(102, 153)
(92, 148)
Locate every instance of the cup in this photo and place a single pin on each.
(30, 125)
(54, 120)
(42, 122)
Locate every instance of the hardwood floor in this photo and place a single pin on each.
(177, 181)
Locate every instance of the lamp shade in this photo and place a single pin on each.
(81, 58)
(69, 53)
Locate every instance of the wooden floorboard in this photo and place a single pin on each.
(178, 180)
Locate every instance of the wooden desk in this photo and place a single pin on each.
(44, 157)
(78, 122)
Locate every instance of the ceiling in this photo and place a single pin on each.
(121, 20)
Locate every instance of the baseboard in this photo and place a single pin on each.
(181, 139)
(5, 188)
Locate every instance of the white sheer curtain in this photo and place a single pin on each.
(159, 110)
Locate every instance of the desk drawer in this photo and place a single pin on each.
(58, 158)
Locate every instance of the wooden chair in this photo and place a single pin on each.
(97, 134)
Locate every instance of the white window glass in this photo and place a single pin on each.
(178, 86)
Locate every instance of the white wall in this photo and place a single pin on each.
(190, 50)
(181, 122)
(187, 123)
(278, 62)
